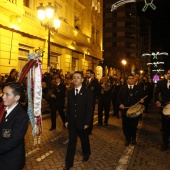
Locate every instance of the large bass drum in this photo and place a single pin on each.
(135, 111)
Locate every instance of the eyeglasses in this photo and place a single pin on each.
(77, 78)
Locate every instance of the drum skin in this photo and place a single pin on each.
(135, 111)
(166, 110)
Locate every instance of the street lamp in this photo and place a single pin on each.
(124, 63)
(46, 16)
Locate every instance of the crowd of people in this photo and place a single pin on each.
(74, 97)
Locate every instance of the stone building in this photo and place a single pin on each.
(75, 45)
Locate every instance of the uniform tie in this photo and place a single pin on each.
(130, 87)
(76, 92)
(87, 82)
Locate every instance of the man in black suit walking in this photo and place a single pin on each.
(129, 95)
(92, 83)
(58, 94)
(79, 116)
(13, 128)
(162, 98)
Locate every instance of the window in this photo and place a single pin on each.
(74, 64)
(55, 60)
(26, 3)
(23, 55)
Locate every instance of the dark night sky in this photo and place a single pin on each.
(160, 19)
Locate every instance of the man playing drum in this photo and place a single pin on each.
(129, 95)
(162, 98)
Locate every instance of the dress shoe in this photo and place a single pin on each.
(127, 142)
(133, 142)
(85, 159)
(51, 129)
(67, 167)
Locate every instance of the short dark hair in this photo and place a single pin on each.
(130, 75)
(17, 87)
(93, 72)
(78, 72)
(89, 71)
(57, 77)
(12, 70)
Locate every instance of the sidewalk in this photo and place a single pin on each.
(107, 147)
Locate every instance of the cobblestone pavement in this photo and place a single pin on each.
(107, 147)
(147, 154)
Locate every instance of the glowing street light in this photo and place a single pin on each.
(46, 16)
(124, 64)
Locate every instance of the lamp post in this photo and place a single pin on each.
(124, 63)
(47, 17)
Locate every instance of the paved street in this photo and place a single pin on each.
(107, 146)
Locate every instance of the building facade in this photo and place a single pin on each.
(125, 37)
(76, 45)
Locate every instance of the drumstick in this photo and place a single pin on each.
(136, 103)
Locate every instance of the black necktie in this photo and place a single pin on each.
(77, 92)
(87, 82)
(130, 87)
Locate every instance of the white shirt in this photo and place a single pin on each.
(168, 83)
(9, 110)
(78, 88)
(130, 86)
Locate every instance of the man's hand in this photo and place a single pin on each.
(121, 106)
(141, 100)
(158, 104)
(53, 96)
(66, 124)
(86, 126)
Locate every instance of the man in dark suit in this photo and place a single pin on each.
(58, 94)
(13, 128)
(129, 95)
(162, 98)
(79, 116)
(92, 83)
